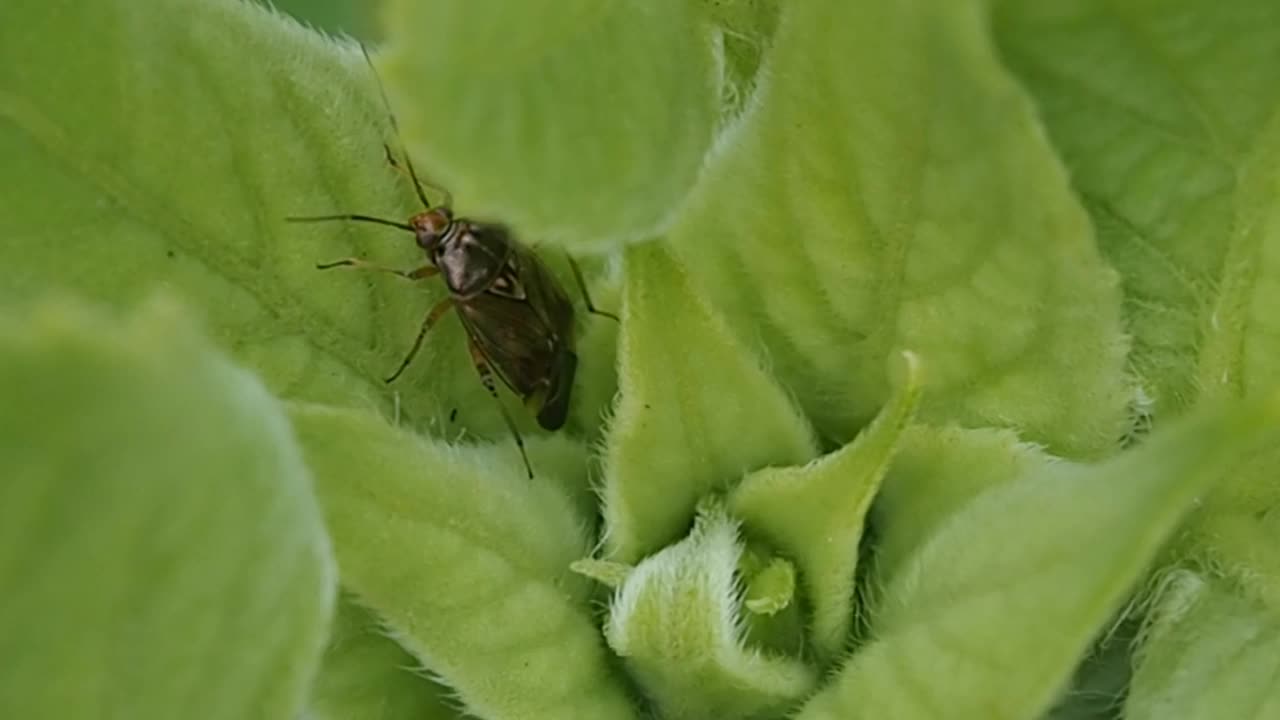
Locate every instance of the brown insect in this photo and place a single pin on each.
(517, 317)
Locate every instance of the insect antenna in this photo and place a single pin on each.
(395, 127)
(351, 218)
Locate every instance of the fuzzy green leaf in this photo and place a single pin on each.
(1208, 654)
(161, 551)
(467, 561)
(583, 123)
(366, 675)
(745, 33)
(815, 513)
(163, 143)
(1168, 114)
(991, 616)
(676, 623)
(935, 473)
(893, 189)
(696, 412)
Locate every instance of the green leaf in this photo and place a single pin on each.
(335, 16)
(1242, 541)
(935, 473)
(582, 123)
(467, 561)
(1166, 113)
(676, 622)
(1208, 654)
(897, 192)
(164, 143)
(992, 615)
(745, 34)
(366, 675)
(696, 410)
(161, 551)
(815, 513)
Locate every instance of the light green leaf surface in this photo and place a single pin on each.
(814, 513)
(1166, 113)
(161, 550)
(676, 623)
(936, 473)
(1208, 654)
(992, 615)
(581, 122)
(745, 30)
(897, 192)
(467, 561)
(697, 410)
(366, 675)
(163, 144)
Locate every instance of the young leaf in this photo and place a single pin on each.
(676, 621)
(991, 616)
(161, 551)
(1209, 654)
(581, 122)
(1166, 114)
(815, 513)
(935, 473)
(898, 192)
(696, 410)
(367, 676)
(164, 143)
(467, 562)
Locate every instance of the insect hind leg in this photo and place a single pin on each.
(486, 379)
(582, 287)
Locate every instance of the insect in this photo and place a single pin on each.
(518, 319)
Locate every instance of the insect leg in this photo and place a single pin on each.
(486, 378)
(421, 273)
(582, 286)
(435, 314)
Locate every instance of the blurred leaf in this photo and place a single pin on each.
(366, 675)
(581, 122)
(161, 551)
(1208, 654)
(467, 561)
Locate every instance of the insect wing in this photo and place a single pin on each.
(527, 339)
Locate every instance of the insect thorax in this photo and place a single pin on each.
(471, 256)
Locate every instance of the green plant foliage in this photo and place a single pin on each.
(366, 675)
(933, 216)
(815, 513)
(675, 621)
(143, 579)
(682, 430)
(1209, 654)
(980, 625)
(1063, 504)
(596, 151)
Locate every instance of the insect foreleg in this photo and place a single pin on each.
(435, 314)
(486, 378)
(421, 273)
